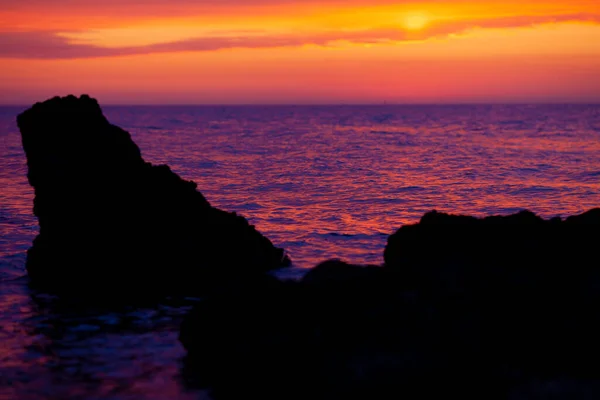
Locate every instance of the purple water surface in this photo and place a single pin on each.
(322, 182)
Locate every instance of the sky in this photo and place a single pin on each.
(301, 51)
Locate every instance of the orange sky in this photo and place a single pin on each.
(300, 51)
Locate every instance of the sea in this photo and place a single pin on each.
(323, 182)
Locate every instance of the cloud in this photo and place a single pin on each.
(48, 10)
(165, 8)
(51, 45)
(151, 5)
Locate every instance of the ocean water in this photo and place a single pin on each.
(321, 181)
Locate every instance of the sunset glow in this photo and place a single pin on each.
(415, 21)
(275, 51)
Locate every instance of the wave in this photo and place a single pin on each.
(351, 235)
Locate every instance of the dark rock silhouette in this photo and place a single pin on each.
(460, 253)
(111, 221)
(494, 308)
(283, 340)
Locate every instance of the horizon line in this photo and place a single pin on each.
(531, 103)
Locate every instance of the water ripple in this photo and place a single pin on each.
(323, 182)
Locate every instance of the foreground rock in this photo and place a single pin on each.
(456, 254)
(500, 308)
(109, 221)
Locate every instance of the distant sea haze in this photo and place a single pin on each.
(334, 181)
